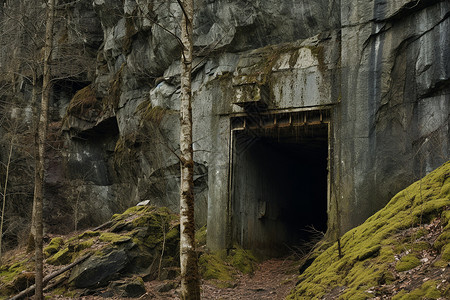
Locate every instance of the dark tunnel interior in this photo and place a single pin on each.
(279, 187)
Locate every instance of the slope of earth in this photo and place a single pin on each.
(272, 279)
(139, 245)
(135, 256)
(401, 252)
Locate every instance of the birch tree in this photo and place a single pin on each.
(42, 135)
(190, 288)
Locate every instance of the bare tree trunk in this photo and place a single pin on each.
(39, 182)
(4, 195)
(31, 241)
(190, 288)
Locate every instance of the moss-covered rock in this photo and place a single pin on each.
(62, 257)
(243, 260)
(53, 247)
(128, 288)
(214, 267)
(222, 268)
(98, 270)
(442, 240)
(16, 276)
(110, 237)
(446, 252)
(369, 250)
(428, 290)
(142, 240)
(88, 234)
(73, 249)
(407, 262)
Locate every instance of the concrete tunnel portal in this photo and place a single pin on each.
(279, 180)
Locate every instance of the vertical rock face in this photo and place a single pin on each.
(395, 99)
(380, 70)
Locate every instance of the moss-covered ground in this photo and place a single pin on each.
(410, 236)
(221, 268)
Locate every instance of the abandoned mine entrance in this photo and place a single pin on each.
(279, 180)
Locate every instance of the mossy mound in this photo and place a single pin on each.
(428, 290)
(222, 268)
(53, 247)
(391, 241)
(144, 241)
(243, 260)
(16, 276)
(213, 266)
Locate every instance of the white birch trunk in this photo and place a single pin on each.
(190, 289)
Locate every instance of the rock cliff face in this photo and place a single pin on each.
(369, 79)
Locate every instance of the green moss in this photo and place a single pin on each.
(221, 268)
(200, 236)
(213, 267)
(173, 235)
(62, 257)
(70, 294)
(428, 290)
(88, 234)
(72, 250)
(82, 245)
(420, 233)
(110, 237)
(363, 261)
(152, 241)
(445, 252)
(9, 273)
(371, 252)
(356, 295)
(443, 239)
(421, 245)
(445, 216)
(58, 292)
(53, 247)
(407, 262)
(243, 260)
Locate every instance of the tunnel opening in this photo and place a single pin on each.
(279, 183)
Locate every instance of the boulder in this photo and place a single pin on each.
(128, 288)
(98, 270)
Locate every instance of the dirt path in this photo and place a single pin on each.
(273, 279)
